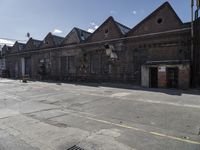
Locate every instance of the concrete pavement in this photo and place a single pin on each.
(57, 116)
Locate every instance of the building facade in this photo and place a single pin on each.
(155, 53)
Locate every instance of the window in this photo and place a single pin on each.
(71, 64)
(82, 36)
(106, 46)
(106, 32)
(20, 47)
(34, 43)
(94, 63)
(64, 65)
(42, 61)
(159, 20)
(45, 42)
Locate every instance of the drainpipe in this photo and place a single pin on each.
(192, 44)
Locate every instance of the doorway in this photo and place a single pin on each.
(27, 62)
(153, 77)
(172, 77)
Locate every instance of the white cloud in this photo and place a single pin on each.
(90, 30)
(92, 23)
(93, 27)
(57, 31)
(113, 12)
(96, 27)
(7, 42)
(134, 12)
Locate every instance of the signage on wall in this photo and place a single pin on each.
(162, 69)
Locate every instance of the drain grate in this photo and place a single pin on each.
(75, 147)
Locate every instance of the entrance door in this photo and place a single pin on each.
(28, 66)
(64, 67)
(153, 77)
(16, 70)
(172, 77)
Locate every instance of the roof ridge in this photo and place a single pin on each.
(36, 40)
(154, 12)
(122, 25)
(57, 36)
(109, 18)
(82, 30)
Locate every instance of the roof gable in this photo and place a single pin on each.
(110, 29)
(57, 40)
(51, 41)
(32, 44)
(162, 19)
(17, 47)
(82, 34)
(124, 29)
(6, 49)
(76, 36)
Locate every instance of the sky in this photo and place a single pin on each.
(39, 17)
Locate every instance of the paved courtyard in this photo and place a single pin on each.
(57, 116)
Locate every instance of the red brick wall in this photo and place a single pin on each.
(184, 77)
(162, 79)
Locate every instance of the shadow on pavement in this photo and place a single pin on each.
(177, 92)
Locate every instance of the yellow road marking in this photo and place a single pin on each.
(141, 130)
(175, 138)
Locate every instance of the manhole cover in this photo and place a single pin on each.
(75, 147)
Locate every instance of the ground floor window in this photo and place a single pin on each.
(68, 65)
(71, 64)
(95, 63)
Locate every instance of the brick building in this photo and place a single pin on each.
(5, 50)
(196, 64)
(154, 53)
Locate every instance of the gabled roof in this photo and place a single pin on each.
(6, 47)
(82, 34)
(186, 25)
(75, 36)
(121, 29)
(37, 42)
(19, 46)
(124, 29)
(166, 4)
(57, 39)
(32, 44)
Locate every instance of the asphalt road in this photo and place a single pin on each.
(57, 116)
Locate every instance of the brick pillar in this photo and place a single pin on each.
(184, 77)
(162, 77)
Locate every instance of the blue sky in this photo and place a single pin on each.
(42, 16)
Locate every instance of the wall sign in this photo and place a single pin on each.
(162, 69)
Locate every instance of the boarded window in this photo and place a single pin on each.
(68, 65)
(71, 64)
(64, 65)
(95, 63)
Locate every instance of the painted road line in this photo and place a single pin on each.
(175, 138)
(140, 130)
